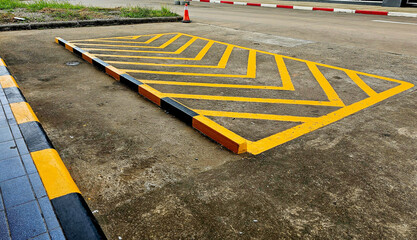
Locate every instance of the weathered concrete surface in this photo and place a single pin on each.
(151, 176)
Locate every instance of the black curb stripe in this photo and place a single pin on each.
(130, 82)
(4, 71)
(76, 219)
(100, 64)
(78, 51)
(14, 95)
(62, 42)
(35, 136)
(181, 112)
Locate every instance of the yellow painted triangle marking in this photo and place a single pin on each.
(274, 117)
(178, 51)
(133, 46)
(251, 70)
(325, 85)
(292, 133)
(199, 56)
(248, 99)
(216, 85)
(222, 63)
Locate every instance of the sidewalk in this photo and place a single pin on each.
(38, 198)
(25, 209)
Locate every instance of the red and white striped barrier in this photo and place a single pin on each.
(397, 14)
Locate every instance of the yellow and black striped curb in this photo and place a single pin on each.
(72, 211)
(86, 23)
(218, 133)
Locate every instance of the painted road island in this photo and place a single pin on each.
(248, 100)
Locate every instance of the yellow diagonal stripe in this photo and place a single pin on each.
(325, 85)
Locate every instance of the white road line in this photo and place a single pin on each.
(383, 21)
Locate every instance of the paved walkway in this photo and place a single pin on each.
(25, 209)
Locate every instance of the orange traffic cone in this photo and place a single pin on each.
(186, 18)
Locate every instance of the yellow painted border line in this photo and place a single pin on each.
(254, 116)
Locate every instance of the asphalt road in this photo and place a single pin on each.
(150, 176)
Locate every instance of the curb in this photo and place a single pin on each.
(86, 23)
(341, 10)
(71, 210)
(218, 133)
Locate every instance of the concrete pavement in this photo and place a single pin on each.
(160, 179)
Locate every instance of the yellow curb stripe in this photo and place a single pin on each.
(55, 176)
(114, 72)
(218, 133)
(8, 81)
(151, 94)
(88, 57)
(23, 112)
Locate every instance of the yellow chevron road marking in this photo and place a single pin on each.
(306, 124)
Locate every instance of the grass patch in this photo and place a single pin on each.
(49, 10)
(137, 12)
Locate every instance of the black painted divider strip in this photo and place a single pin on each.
(76, 218)
(130, 82)
(35, 137)
(181, 112)
(14, 95)
(78, 51)
(62, 42)
(100, 64)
